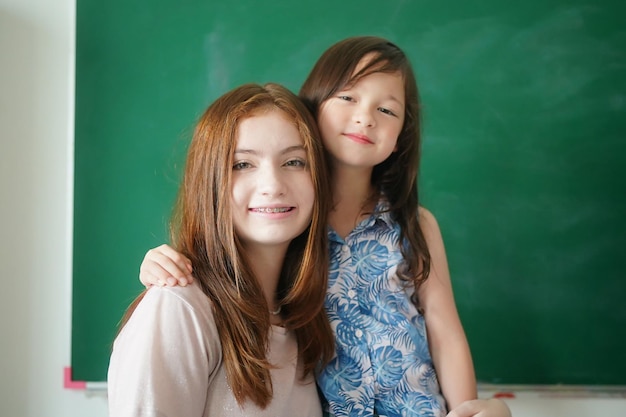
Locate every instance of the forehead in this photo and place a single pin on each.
(381, 83)
(365, 61)
(378, 68)
(267, 127)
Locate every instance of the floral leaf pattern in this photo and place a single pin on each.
(382, 364)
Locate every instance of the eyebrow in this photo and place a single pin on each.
(287, 150)
(394, 98)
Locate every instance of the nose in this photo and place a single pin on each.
(364, 116)
(272, 182)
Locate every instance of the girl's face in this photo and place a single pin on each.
(273, 194)
(360, 124)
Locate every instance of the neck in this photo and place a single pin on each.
(267, 263)
(353, 198)
(350, 183)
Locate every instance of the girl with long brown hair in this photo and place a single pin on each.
(246, 338)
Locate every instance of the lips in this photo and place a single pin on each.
(359, 138)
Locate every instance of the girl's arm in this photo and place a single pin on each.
(446, 338)
(165, 266)
(492, 407)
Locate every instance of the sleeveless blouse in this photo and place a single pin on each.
(382, 364)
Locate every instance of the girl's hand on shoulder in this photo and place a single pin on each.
(164, 266)
(492, 407)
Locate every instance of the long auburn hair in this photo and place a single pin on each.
(396, 177)
(202, 229)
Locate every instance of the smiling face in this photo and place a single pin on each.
(272, 189)
(360, 124)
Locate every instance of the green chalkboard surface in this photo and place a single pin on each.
(524, 156)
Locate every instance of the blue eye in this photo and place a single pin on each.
(237, 166)
(296, 163)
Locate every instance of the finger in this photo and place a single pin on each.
(481, 408)
(177, 265)
(172, 262)
(183, 263)
(182, 281)
(151, 273)
(164, 266)
(466, 409)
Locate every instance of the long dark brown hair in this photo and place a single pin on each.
(396, 177)
(202, 229)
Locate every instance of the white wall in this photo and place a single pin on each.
(36, 110)
(36, 126)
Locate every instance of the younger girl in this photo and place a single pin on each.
(400, 345)
(246, 337)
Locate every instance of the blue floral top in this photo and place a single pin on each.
(382, 364)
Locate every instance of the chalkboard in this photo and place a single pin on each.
(524, 156)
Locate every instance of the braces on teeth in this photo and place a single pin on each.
(273, 210)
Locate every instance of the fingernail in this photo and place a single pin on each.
(183, 282)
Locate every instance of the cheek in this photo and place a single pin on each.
(307, 193)
(325, 122)
(394, 135)
(238, 203)
(237, 193)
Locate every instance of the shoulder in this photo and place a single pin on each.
(170, 310)
(425, 214)
(432, 234)
(170, 337)
(428, 222)
(190, 297)
(171, 319)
